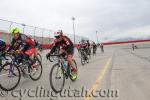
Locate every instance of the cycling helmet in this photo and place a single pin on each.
(82, 40)
(58, 33)
(14, 31)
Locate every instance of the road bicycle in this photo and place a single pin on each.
(4, 58)
(61, 71)
(10, 73)
(84, 57)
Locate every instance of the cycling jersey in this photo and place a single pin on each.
(65, 43)
(22, 43)
(83, 45)
(2, 45)
(88, 45)
(94, 46)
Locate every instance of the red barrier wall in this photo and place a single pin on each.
(125, 42)
(6, 37)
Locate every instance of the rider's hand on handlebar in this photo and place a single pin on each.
(18, 51)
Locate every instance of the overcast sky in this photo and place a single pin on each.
(111, 18)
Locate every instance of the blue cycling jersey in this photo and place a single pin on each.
(2, 42)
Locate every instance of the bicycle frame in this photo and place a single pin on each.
(61, 62)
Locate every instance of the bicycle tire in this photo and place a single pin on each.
(40, 65)
(87, 60)
(39, 57)
(19, 75)
(51, 82)
(82, 59)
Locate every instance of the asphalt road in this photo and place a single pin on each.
(117, 74)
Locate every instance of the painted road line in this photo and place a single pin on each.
(98, 80)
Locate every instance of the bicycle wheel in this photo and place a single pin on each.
(89, 54)
(36, 75)
(73, 76)
(39, 57)
(9, 79)
(7, 59)
(57, 78)
(87, 59)
(82, 59)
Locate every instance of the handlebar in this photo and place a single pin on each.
(59, 56)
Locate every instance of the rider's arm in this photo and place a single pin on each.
(11, 45)
(53, 49)
(54, 46)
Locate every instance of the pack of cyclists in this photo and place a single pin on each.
(87, 47)
(25, 46)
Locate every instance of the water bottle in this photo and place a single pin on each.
(65, 65)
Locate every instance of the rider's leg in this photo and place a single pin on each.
(70, 52)
(28, 54)
(70, 62)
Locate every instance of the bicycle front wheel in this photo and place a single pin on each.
(57, 78)
(82, 59)
(10, 78)
(39, 57)
(37, 73)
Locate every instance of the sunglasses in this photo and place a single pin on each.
(57, 37)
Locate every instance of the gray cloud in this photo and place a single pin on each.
(109, 17)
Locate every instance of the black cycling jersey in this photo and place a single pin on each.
(2, 45)
(83, 45)
(65, 43)
(22, 43)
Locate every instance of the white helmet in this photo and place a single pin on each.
(58, 33)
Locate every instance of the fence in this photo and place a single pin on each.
(42, 35)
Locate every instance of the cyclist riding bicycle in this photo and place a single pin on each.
(88, 47)
(83, 45)
(23, 45)
(66, 46)
(2, 49)
(94, 48)
(2, 45)
(88, 44)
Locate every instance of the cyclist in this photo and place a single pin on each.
(83, 45)
(2, 49)
(102, 47)
(23, 45)
(94, 48)
(88, 48)
(2, 45)
(65, 45)
(78, 48)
